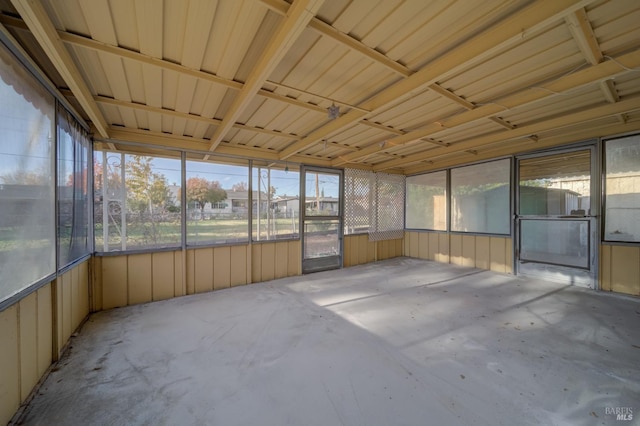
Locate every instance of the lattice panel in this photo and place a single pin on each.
(387, 219)
(359, 195)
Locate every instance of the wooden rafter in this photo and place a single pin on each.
(631, 104)
(588, 76)
(298, 16)
(535, 17)
(502, 122)
(281, 7)
(451, 96)
(45, 33)
(187, 116)
(583, 34)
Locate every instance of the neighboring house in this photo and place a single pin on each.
(285, 206)
(327, 204)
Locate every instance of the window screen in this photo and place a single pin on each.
(426, 205)
(480, 198)
(622, 189)
(27, 204)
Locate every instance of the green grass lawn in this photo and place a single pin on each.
(141, 235)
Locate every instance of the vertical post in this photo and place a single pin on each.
(123, 209)
(269, 219)
(258, 204)
(105, 203)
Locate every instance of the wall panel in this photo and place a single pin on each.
(45, 328)
(455, 249)
(268, 261)
(256, 263)
(162, 275)
(282, 260)
(238, 269)
(469, 250)
(482, 251)
(28, 332)
(625, 269)
(9, 364)
(423, 245)
(114, 281)
(139, 278)
(203, 270)
(498, 254)
(222, 267)
(295, 258)
(605, 268)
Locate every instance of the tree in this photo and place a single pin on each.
(240, 186)
(201, 191)
(147, 191)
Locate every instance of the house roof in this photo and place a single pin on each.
(418, 85)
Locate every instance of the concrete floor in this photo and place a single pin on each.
(399, 342)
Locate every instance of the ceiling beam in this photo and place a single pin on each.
(584, 133)
(38, 22)
(523, 24)
(602, 71)
(609, 90)
(163, 140)
(451, 96)
(187, 116)
(502, 123)
(281, 7)
(582, 32)
(625, 106)
(298, 16)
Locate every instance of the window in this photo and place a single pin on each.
(137, 202)
(622, 189)
(388, 219)
(73, 189)
(480, 198)
(426, 206)
(27, 204)
(217, 200)
(276, 202)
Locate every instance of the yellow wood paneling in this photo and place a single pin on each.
(364, 249)
(354, 251)
(399, 247)
(139, 278)
(382, 250)
(66, 309)
(162, 275)
(114, 281)
(407, 243)
(455, 249)
(9, 364)
(222, 267)
(442, 254)
(256, 263)
(483, 258)
(413, 243)
(191, 272)
(498, 254)
(605, 268)
(75, 299)
(83, 291)
(180, 282)
(295, 259)
(423, 245)
(282, 259)
(508, 249)
(268, 261)
(238, 265)
(434, 242)
(371, 249)
(625, 269)
(469, 250)
(96, 284)
(45, 329)
(346, 251)
(203, 269)
(28, 344)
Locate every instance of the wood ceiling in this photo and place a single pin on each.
(420, 85)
